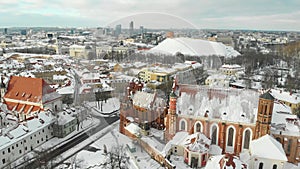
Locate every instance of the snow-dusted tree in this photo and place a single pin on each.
(116, 158)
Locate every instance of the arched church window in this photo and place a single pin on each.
(198, 127)
(230, 137)
(182, 125)
(247, 137)
(214, 132)
(261, 165)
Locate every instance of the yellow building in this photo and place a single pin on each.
(156, 74)
(110, 49)
(217, 80)
(77, 51)
(231, 69)
(288, 98)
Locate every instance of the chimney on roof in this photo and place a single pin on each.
(291, 92)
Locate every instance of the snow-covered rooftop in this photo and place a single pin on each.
(64, 117)
(275, 151)
(195, 142)
(234, 66)
(281, 112)
(193, 47)
(66, 90)
(236, 105)
(285, 96)
(133, 128)
(24, 129)
(143, 99)
(223, 162)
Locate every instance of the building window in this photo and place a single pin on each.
(278, 139)
(289, 146)
(275, 166)
(214, 134)
(8, 150)
(3, 161)
(197, 127)
(264, 108)
(247, 137)
(20, 151)
(183, 125)
(230, 137)
(261, 165)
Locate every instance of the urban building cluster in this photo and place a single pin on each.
(179, 95)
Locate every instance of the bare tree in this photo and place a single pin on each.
(116, 158)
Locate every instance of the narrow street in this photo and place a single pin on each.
(51, 155)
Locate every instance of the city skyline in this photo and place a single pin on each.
(232, 14)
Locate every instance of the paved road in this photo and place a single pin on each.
(66, 146)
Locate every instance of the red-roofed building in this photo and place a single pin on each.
(27, 96)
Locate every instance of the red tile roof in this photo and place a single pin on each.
(27, 89)
(22, 107)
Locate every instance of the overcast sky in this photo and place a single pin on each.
(202, 14)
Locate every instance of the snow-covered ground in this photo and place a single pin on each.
(111, 105)
(94, 155)
(55, 142)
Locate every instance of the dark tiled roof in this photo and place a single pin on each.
(267, 96)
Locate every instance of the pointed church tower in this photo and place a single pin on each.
(264, 115)
(171, 118)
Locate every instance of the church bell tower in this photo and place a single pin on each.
(171, 118)
(264, 115)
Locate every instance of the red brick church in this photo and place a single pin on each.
(230, 117)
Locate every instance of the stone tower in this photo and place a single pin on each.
(264, 115)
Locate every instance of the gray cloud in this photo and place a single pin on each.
(203, 13)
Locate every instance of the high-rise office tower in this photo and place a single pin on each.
(131, 28)
(142, 30)
(118, 30)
